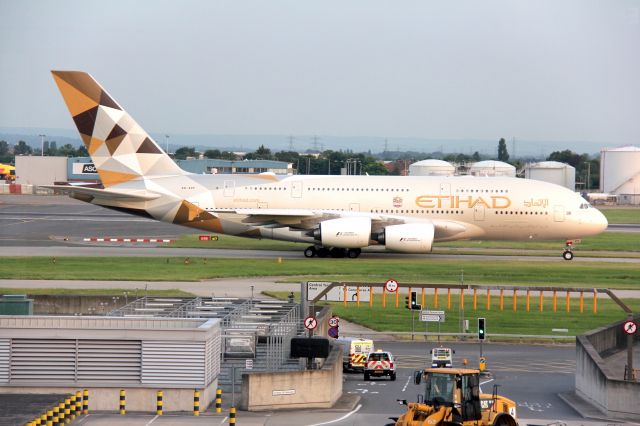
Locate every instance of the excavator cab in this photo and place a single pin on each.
(452, 396)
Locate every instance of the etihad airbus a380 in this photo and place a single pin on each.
(337, 215)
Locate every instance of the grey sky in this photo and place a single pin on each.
(536, 70)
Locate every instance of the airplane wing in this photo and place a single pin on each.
(305, 219)
(120, 195)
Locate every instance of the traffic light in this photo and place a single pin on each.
(481, 328)
(414, 300)
(406, 302)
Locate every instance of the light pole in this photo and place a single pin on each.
(166, 140)
(42, 145)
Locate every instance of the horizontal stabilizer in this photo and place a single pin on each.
(121, 195)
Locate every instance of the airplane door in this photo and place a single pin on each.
(229, 188)
(558, 213)
(478, 212)
(354, 207)
(296, 189)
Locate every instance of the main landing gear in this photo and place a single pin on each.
(334, 252)
(567, 254)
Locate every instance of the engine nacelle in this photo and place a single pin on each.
(346, 232)
(408, 238)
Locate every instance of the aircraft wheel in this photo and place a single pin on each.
(323, 252)
(310, 251)
(337, 252)
(567, 255)
(353, 253)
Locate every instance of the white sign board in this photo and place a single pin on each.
(283, 392)
(432, 316)
(248, 364)
(83, 169)
(336, 294)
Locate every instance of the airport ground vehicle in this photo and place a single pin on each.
(442, 357)
(7, 173)
(355, 352)
(452, 397)
(380, 363)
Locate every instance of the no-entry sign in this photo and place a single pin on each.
(391, 286)
(630, 327)
(310, 323)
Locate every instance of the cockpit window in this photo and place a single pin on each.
(586, 206)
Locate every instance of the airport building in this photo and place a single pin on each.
(620, 174)
(553, 172)
(45, 170)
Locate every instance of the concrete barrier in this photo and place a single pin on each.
(600, 383)
(294, 389)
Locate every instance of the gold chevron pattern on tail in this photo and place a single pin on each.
(121, 150)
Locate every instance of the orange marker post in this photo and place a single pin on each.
(515, 303)
(462, 299)
(344, 292)
(370, 297)
(595, 302)
(502, 299)
(422, 298)
(488, 299)
(384, 297)
(397, 296)
(541, 301)
(555, 301)
(449, 298)
(568, 303)
(358, 296)
(435, 297)
(581, 301)
(475, 299)
(528, 300)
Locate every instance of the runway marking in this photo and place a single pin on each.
(151, 421)
(83, 419)
(341, 418)
(406, 384)
(224, 420)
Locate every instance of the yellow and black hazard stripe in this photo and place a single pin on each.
(357, 359)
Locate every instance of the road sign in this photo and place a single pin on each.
(336, 294)
(334, 321)
(432, 316)
(333, 332)
(248, 364)
(630, 327)
(310, 323)
(391, 286)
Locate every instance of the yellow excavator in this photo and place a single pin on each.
(452, 397)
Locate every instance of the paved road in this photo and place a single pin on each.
(48, 226)
(531, 375)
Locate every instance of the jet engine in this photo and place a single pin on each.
(346, 232)
(408, 238)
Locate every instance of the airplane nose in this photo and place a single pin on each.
(600, 221)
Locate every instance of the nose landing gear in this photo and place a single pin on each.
(567, 254)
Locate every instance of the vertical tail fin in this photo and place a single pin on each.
(118, 146)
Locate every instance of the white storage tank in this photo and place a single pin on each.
(552, 171)
(432, 167)
(492, 168)
(620, 173)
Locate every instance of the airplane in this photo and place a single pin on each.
(337, 215)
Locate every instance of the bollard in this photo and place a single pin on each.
(123, 401)
(56, 415)
(78, 408)
(66, 416)
(218, 400)
(232, 416)
(85, 401)
(159, 404)
(196, 402)
(483, 364)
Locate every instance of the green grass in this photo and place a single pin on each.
(533, 322)
(427, 270)
(94, 292)
(610, 241)
(621, 215)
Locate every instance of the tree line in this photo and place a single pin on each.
(8, 152)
